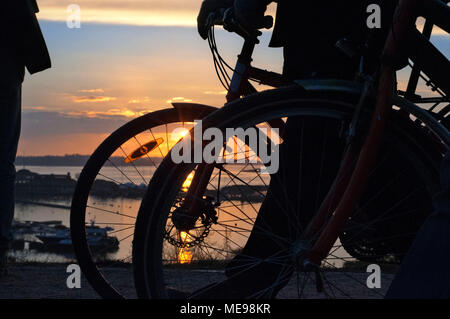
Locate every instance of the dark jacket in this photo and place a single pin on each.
(21, 41)
(309, 30)
(319, 21)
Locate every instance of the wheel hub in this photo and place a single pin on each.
(184, 223)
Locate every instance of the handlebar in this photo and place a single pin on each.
(225, 18)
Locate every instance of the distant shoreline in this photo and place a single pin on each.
(80, 160)
(75, 160)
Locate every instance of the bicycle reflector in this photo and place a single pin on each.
(143, 150)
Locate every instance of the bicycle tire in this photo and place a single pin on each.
(146, 260)
(87, 177)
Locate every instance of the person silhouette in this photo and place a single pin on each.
(425, 271)
(22, 45)
(308, 31)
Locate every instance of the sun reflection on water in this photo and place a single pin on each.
(184, 255)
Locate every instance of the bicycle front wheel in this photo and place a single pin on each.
(245, 241)
(108, 194)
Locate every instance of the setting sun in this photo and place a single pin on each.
(183, 133)
(184, 255)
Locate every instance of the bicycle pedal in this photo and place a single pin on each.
(311, 267)
(319, 281)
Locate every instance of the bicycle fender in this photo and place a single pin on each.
(355, 88)
(331, 85)
(199, 110)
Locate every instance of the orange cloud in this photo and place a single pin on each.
(215, 92)
(37, 108)
(104, 114)
(131, 16)
(131, 12)
(178, 99)
(137, 101)
(92, 99)
(92, 91)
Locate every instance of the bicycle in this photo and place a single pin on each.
(363, 209)
(108, 192)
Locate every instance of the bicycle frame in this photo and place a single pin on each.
(239, 86)
(405, 17)
(351, 178)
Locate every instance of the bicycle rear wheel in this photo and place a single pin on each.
(108, 193)
(219, 258)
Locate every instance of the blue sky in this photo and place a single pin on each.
(104, 75)
(110, 71)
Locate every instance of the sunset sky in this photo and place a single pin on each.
(128, 58)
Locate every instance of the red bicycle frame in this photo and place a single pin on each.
(405, 17)
(341, 199)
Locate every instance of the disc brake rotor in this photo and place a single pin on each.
(182, 238)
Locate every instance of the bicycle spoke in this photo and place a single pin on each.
(110, 212)
(126, 176)
(132, 163)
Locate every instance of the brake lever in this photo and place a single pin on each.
(225, 18)
(231, 25)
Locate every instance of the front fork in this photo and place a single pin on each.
(193, 203)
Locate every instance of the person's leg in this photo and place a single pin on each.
(10, 113)
(324, 61)
(297, 188)
(425, 270)
(266, 262)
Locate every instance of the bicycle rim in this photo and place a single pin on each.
(108, 193)
(200, 276)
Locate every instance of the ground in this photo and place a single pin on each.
(48, 281)
(39, 281)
